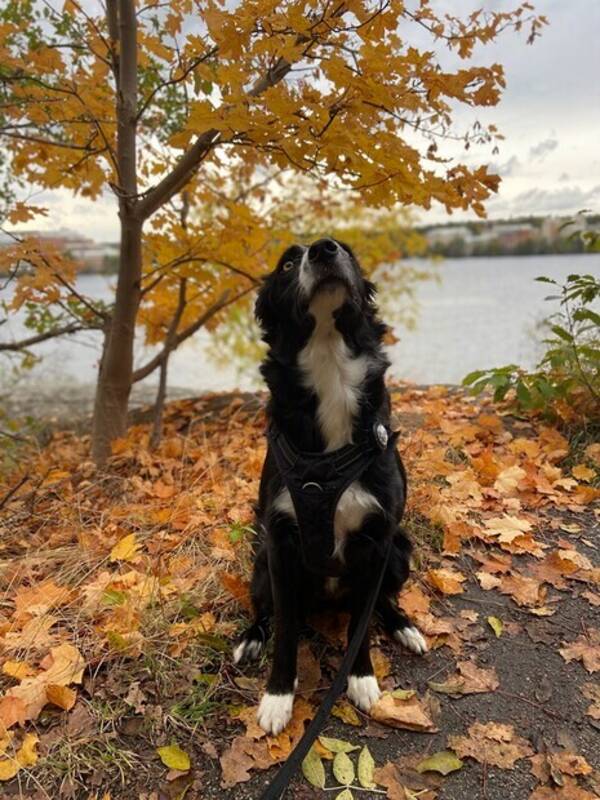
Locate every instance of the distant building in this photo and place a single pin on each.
(93, 256)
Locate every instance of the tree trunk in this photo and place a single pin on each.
(116, 367)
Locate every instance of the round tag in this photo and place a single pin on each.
(381, 435)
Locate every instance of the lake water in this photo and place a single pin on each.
(483, 312)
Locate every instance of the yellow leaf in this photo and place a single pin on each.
(447, 581)
(18, 669)
(26, 755)
(8, 769)
(583, 473)
(343, 769)
(61, 696)
(496, 625)
(337, 745)
(444, 762)
(174, 757)
(313, 769)
(346, 713)
(125, 549)
(366, 769)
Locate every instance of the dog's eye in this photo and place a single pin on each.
(288, 266)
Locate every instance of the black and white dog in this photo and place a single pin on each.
(325, 370)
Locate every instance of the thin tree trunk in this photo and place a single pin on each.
(116, 368)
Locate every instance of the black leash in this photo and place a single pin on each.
(286, 771)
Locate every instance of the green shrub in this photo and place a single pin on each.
(566, 383)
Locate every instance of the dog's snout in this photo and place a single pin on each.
(322, 250)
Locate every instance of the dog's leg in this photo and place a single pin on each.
(399, 626)
(363, 689)
(255, 637)
(275, 710)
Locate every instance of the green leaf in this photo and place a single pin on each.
(496, 625)
(444, 762)
(473, 376)
(343, 769)
(346, 794)
(562, 333)
(313, 769)
(338, 745)
(366, 768)
(524, 395)
(174, 757)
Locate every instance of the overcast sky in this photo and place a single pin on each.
(549, 114)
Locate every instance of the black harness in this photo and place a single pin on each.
(316, 481)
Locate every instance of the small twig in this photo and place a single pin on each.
(12, 491)
(531, 703)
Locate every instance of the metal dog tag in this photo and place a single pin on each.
(381, 435)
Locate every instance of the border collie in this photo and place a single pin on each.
(325, 371)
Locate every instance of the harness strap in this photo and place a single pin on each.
(316, 481)
(282, 778)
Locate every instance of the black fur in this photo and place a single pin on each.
(282, 588)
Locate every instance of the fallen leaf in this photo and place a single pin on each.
(496, 625)
(447, 581)
(507, 528)
(381, 664)
(492, 743)
(313, 769)
(61, 696)
(585, 649)
(524, 591)
(126, 548)
(583, 473)
(413, 600)
(18, 669)
(9, 767)
(592, 692)
(26, 755)
(388, 777)
(443, 762)
(508, 480)
(469, 679)
(308, 669)
(412, 713)
(569, 791)
(347, 713)
(343, 769)
(345, 794)
(174, 757)
(338, 745)
(366, 769)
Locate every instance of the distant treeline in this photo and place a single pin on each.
(459, 248)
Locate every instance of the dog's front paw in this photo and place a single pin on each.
(274, 712)
(412, 639)
(363, 691)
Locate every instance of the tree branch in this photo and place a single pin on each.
(224, 301)
(189, 162)
(24, 344)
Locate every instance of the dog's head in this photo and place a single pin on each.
(322, 279)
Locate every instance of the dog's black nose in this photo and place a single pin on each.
(322, 250)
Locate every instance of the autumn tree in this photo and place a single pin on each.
(156, 102)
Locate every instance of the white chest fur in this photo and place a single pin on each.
(333, 373)
(336, 377)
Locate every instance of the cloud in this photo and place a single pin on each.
(506, 169)
(541, 150)
(569, 199)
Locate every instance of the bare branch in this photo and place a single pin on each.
(225, 300)
(24, 344)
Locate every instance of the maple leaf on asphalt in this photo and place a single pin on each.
(586, 648)
(491, 743)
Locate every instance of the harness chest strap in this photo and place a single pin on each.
(316, 482)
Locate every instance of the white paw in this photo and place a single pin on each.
(247, 650)
(274, 712)
(363, 691)
(412, 639)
